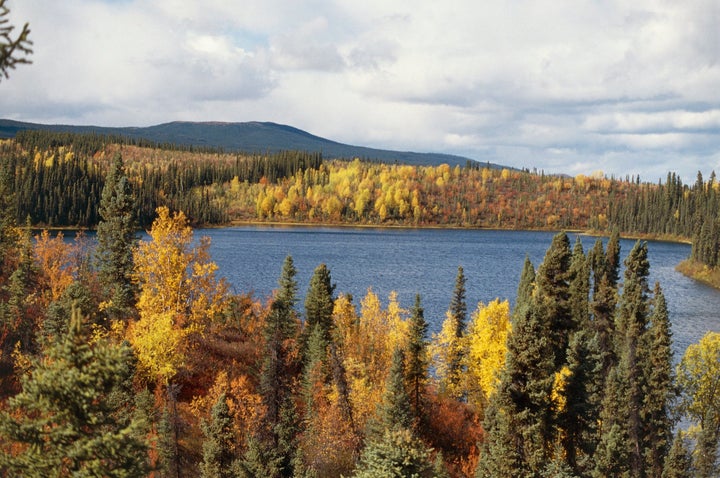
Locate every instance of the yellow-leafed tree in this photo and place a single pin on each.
(487, 347)
(179, 294)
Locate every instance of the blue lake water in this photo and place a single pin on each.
(425, 261)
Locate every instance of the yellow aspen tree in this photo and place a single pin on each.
(487, 346)
(179, 294)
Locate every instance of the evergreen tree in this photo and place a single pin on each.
(526, 285)
(218, 455)
(279, 374)
(577, 420)
(678, 463)
(116, 240)
(518, 423)
(395, 410)
(612, 456)
(458, 305)
(319, 302)
(659, 388)
(612, 256)
(61, 423)
(579, 287)
(553, 294)
(631, 324)
(417, 363)
(457, 321)
(397, 454)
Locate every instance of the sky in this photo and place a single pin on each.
(626, 87)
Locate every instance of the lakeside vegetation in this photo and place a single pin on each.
(134, 359)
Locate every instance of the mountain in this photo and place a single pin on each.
(251, 137)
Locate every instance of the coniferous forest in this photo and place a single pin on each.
(122, 357)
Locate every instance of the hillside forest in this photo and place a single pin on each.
(121, 357)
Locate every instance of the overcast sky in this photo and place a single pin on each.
(567, 86)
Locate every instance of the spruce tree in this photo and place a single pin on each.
(553, 294)
(116, 240)
(457, 315)
(579, 287)
(631, 325)
(218, 455)
(62, 424)
(279, 374)
(395, 411)
(678, 463)
(659, 389)
(458, 305)
(526, 285)
(417, 362)
(319, 302)
(518, 423)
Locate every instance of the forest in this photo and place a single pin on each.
(121, 357)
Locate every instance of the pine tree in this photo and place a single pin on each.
(61, 423)
(116, 240)
(218, 455)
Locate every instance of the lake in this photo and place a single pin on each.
(425, 261)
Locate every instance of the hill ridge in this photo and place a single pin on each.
(250, 137)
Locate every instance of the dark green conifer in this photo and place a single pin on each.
(518, 424)
(553, 294)
(116, 240)
(218, 455)
(417, 363)
(526, 285)
(395, 410)
(61, 423)
(678, 463)
(659, 390)
(319, 302)
(579, 288)
(458, 305)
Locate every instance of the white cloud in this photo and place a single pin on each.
(558, 85)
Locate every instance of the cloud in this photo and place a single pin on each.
(559, 85)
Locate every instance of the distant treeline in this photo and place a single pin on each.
(55, 179)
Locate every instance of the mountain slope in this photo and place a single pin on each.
(252, 137)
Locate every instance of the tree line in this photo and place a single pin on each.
(133, 358)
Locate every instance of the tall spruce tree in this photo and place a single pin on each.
(579, 287)
(319, 302)
(417, 361)
(62, 423)
(518, 423)
(553, 295)
(678, 463)
(457, 314)
(659, 387)
(392, 449)
(279, 374)
(526, 285)
(218, 456)
(116, 240)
